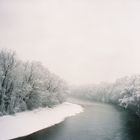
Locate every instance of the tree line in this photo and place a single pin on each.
(124, 92)
(27, 85)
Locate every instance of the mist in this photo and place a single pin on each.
(84, 41)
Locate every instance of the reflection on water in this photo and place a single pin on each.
(98, 122)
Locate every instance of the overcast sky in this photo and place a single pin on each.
(83, 41)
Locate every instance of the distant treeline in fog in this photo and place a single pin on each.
(27, 85)
(124, 92)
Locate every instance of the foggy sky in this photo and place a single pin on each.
(83, 41)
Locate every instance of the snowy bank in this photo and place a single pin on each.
(26, 123)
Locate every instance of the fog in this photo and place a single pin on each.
(83, 41)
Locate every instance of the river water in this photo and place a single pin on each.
(97, 122)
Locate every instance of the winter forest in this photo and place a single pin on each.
(27, 85)
(125, 92)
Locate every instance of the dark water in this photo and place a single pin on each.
(98, 122)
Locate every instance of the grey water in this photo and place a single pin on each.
(97, 122)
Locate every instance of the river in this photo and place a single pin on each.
(97, 122)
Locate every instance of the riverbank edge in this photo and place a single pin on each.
(26, 123)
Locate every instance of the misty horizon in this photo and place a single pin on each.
(84, 42)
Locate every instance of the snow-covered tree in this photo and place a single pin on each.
(27, 85)
(124, 92)
(8, 63)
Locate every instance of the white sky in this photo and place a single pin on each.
(83, 41)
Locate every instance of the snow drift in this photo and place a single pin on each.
(28, 122)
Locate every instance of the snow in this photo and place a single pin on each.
(28, 122)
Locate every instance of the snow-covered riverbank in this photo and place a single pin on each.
(25, 123)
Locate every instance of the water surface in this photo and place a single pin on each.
(97, 122)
